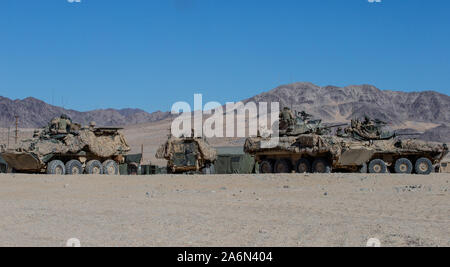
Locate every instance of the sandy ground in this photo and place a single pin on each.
(225, 210)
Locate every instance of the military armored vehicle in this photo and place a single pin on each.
(393, 153)
(64, 147)
(371, 150)
(187, 155)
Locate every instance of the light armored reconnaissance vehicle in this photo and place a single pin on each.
(391, 153)
(363, 147)
(187, 155)
(64, 147)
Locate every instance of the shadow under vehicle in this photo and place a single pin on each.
(374, 151)
(64, 147)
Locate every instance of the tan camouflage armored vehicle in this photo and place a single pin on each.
(317, 153)
(394, 154)
(187, 155)
(64, 147)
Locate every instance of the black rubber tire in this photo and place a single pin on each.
(303, 166)
(282, 166)
(94, 167)
(403, 166)
(56, 167)
(74, 167)
(423, 166)
(265, 167)
(110, 167)
(363, 168)
(377, 166)
(321, 165)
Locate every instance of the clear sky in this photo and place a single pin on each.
(149, 54)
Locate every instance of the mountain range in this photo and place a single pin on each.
(34, 113)
(426, 111)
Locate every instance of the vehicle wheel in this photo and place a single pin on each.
(423, 166)
(363, 168)
(74, 167)
(321, 166)
(56, 167)
(94, 167)
(282, 166)
(303, 166)
(403, 166)
(377, 166)
(265, 167)
(110, 167)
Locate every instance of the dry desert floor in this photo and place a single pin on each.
(225, 210)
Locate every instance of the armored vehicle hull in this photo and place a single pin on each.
(88, 150)
(187, 155)
(323, 153)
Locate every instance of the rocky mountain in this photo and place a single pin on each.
(426, 111)
(343, 103)
(34, 113)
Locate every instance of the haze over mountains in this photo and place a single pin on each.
(34, 113)
(426, 111)
(344, 103)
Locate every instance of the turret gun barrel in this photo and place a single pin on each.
(407, 134)
(336, 125)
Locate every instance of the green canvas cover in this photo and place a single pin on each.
(233, 160)
(137, 158)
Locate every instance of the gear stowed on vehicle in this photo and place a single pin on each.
(307, 146)
(64, 147)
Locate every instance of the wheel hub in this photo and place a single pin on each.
(58, 170)
(111, 170)
(403, 168)
(423, 167)
(265, 168)
(320, 167)
(96, 170)
(302, 168)
(75, 170)
(377, 168)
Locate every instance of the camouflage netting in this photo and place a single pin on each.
(309, 143)
(413, 144)
(103, 146)
(312, 143)
(175, 145)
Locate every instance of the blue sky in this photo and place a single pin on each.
(149, 54)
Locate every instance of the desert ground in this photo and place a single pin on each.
(225, 210)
